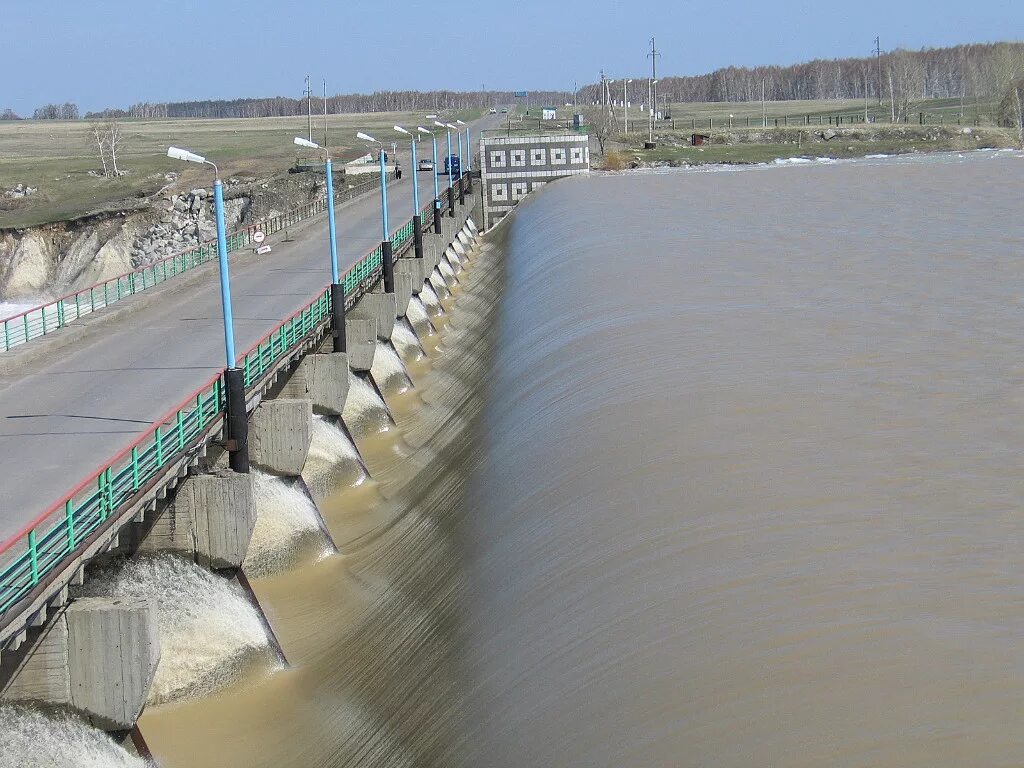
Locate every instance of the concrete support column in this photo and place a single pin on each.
(279, 435)
(380, 307)
(98, 656)
(361, 336)
(211, 519)
(322, 379)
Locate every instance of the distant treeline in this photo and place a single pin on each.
(963, 71)
(283, 106)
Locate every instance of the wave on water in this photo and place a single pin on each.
(364, 413)
(387, 370)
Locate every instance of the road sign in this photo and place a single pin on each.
(520, 94)
(259, 237)
(263, 249)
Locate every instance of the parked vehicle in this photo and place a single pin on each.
(504, 110)
(493, 110)
(452, 162)
(425, 165)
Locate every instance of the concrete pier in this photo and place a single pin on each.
(279, 434)
(378, 306)
(211, 519)
(322, 379)
(361, 341)
(98, 656)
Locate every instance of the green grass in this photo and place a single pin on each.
(56, 157)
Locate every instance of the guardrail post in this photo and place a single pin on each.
(462, 188)
(451, 202)
(387, 266)
(237, 422)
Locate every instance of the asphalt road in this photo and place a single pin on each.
(62, 419)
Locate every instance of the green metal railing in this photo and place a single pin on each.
(65, 527)
(47, 318)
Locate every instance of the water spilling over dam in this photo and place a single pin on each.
(751, 480)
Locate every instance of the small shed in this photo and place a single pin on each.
(548, 113)
(699, 138)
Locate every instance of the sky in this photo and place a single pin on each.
(111, 53)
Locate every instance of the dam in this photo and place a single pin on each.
(707, 467)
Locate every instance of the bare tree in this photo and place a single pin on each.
(600, 124)
(107, 138)
(114, 138)
(98, 137)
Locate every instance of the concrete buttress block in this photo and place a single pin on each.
(98, 656)
(279, 434)
(417, 271)
(211, 518)
(322, 379)
(360, 341)
(113, 650)
(403, 288)
(378, 306)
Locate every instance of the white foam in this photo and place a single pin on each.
(418, 317)
(332, 459)
(364, 412)
(208, 628)
(30, 739)
(404, 338)
(387, 370)
(286, 518)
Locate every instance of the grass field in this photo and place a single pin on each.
(56, 157)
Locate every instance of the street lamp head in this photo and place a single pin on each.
(431, 117)
(306, 143)
(460, 122)
(366, 137)
(183, 154)
(440, 125)
(421, 129)
(400, 129)
(449, 125)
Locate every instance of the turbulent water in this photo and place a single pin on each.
(287, 526)
(29, 739)
(210, 633)
(364, 412)
(752, 483)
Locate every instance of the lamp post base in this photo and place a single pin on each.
(417, 235)
(387, 266)
(437, 216)
(338, 317)
(237, 426)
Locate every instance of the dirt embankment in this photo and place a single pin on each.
(57, 258)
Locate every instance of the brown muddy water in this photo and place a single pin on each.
(752, 486)
(714, 468)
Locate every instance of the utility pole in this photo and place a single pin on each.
(878, 58)
(625, 112)
(654, 76)
(309, 109)
(650, 113)
(575, 91)
(764, 107)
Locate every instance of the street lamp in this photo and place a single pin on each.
(448, 165)
(462, 167)
(237, 430)
(387, 267)
(337, 290)
(417, 222)
(437, 193)
(469, 160)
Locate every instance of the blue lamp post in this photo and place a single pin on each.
(337, 289)
(437, 193)
(237, 430)
(448, 163)
(387, 265)
(462, 166)
(417, 222)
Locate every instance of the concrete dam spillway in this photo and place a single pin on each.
(712, 468)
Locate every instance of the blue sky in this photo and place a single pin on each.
(115, 52)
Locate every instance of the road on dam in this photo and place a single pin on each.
(62, 418)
